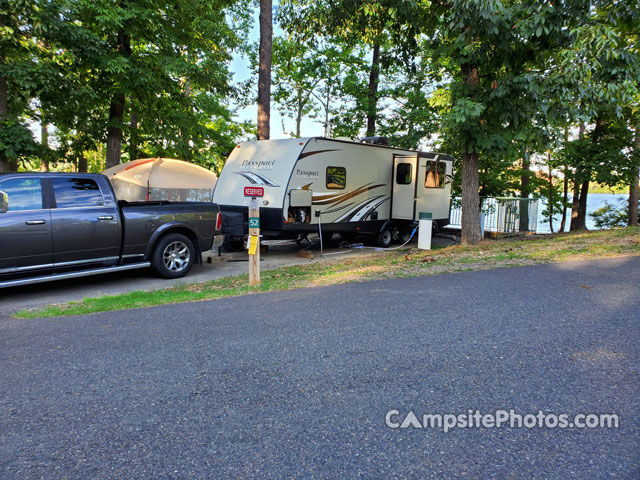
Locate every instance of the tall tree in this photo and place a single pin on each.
(634, 186)
(297, 70)
(149, 78)
(116, 108)
(264, 69)
(22, 76)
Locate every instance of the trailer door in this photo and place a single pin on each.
(404, 187)
(433, 188)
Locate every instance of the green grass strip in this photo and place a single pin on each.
(393, 264)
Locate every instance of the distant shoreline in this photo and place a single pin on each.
(614, 191)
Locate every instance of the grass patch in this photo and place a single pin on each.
(393, 264)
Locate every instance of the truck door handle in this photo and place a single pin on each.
(106, 217)
(35, 222)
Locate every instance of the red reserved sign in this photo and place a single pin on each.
(253, 191)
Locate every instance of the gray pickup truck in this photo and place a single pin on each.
(63, 225)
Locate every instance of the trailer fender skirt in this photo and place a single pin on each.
(384, 225)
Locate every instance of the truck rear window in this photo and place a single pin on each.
(76, 192)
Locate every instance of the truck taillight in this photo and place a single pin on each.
(219, 221)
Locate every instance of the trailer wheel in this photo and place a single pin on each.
(405, 235)
(173, 256)
(383, 239)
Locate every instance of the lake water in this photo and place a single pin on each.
(594, 202)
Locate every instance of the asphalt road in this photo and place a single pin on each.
(297, 384)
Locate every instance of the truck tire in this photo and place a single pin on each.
(384, 238)
(173, 256)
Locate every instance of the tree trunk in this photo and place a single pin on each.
(525, 190)
(44, 141)
(114, 131)
(582, 205)
(6, 165)
(470, 199)
(326, 105)
(133, 135)
(633, 200)
(579, 205)
(82, 163)
(634, 187)
(575, 200)
(581, 219)
(565, 198)
(470, 163)
(550, 192)
(264, 71)
(575, 203)
(299, 113)
(372, 96)
(116, 110)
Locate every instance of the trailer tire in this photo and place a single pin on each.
(405, 235)
(173, 256)
(384, 238)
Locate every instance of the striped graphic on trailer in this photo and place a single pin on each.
(338, 198)
(257, 179)
(338, 209)
(363, 209)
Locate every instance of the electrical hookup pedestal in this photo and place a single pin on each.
(424, 231)
(253, 243)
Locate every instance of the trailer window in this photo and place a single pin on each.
(336, 177)
(435, 175)
(404, 174)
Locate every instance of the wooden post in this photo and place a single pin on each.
(254, 242)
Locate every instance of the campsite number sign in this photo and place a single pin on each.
(253, 244)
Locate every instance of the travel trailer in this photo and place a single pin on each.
(329, 186)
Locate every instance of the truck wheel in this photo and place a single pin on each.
(383, 239)
(173, 256)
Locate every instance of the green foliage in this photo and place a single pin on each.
(69, 62)
(610, 216)
(16, 140)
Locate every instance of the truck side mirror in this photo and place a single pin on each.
(4, 202)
